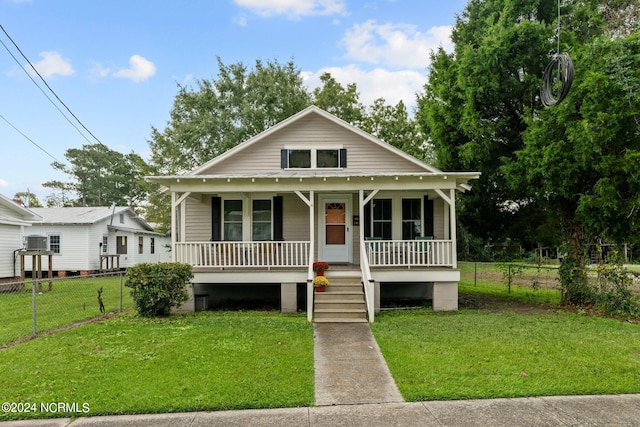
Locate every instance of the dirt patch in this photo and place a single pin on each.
(497, 304)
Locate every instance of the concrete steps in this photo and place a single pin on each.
(342, 301)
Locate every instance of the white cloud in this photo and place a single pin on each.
(3, 183)
(394, 45)
(293, 8)
(140, 69)
(53, 64)
(393, 86)
(98, 70)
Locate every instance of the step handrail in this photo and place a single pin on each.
(367, 282)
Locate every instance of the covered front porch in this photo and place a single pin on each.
(274, 237)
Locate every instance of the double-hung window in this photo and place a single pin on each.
(105, 244)
(382, 218)
(411, 219)
(54, 243)
(261, 220)
(233, 220)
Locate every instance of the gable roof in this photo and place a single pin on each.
(20, 216)
(85, 215)
(296, 117)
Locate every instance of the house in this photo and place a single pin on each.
(14, 219)
(314, 187)
(90, 239)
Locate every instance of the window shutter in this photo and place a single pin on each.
(367, 220)
(284, 158)
(343, 158)
(428, 216)
(216, 219)
(277, 219)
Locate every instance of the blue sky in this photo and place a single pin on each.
(116, 63)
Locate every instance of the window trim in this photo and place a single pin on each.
(140, 245)
(225, 222)
(314, 156)
(105, 244)
(389, 221)
(49, 244)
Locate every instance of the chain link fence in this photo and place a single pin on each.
(530, 276)
(36, 306)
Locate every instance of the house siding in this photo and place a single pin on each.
(10, 240)
(198, 220)
(313, 131)
(74, 248)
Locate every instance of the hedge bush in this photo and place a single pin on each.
(156, 288)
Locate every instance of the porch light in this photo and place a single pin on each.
(396, 178)
(253, 180)
(178, 180)
(324, 179)
(371, 178)
(204, 180)
(348, 178)
(277, 179)
(228, 179)
(420, 178)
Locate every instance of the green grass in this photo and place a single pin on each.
(485, 289)
(70, 300)
(484, 354)
(203, 361)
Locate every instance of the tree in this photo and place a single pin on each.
(219, 114)
(581, 158)
(101, 177)
(28, 199)
(393, 125)
(569, 165)
(343, 102)
(474, 105)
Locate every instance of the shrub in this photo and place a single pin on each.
(615, 283)
(156, 288)
(575, 284)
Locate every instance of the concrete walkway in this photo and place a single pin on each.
(349, 367)
(592, 411)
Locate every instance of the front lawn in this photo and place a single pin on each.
(507, 353)
(129, 365)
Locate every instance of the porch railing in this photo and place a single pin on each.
(243, 254)
(424, 253)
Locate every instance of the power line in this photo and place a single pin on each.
(48, 87)
(29, 139)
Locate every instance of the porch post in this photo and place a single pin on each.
(173, 226)
(452, 226)
(312, 244)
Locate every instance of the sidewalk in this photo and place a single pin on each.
(593, 411)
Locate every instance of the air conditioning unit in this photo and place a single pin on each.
(36, 243)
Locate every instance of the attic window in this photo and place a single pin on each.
(299, 158)
(121, 218)
(318, 158)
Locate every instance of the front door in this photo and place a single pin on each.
(334, 232)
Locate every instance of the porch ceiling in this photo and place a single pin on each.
(317, 181)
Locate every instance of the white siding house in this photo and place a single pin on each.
(315, 188)
(14, 219)
(82, 239)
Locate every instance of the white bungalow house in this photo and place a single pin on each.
(310, 188)
(14, 220)
(90, 239)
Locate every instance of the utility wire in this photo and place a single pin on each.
(48, 87)
(28, 139)
(44, 93)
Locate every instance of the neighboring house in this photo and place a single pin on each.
(82, 239)
(13, 221)
(314, 188)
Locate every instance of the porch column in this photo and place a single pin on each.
(177, 223)
(453, 225)
(173, 226)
